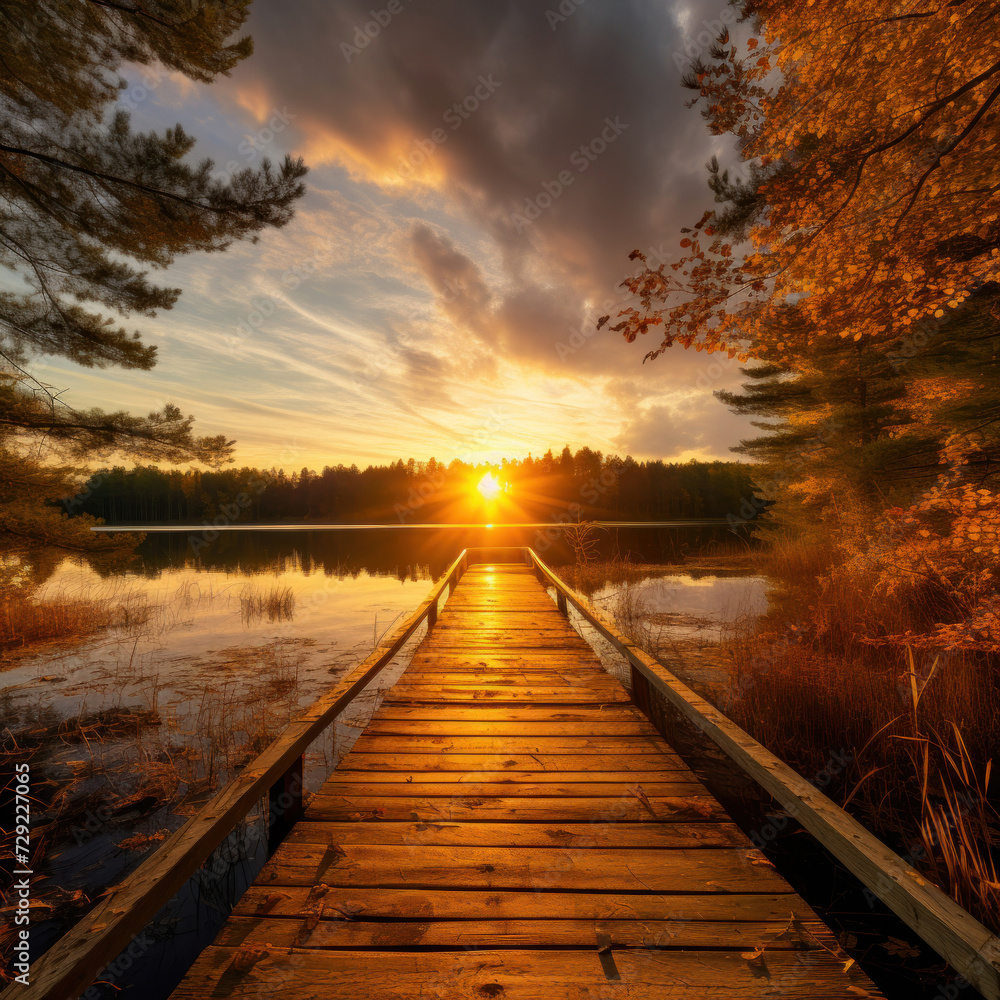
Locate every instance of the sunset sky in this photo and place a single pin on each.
(412, 308)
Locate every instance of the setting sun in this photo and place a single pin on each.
(490, 486)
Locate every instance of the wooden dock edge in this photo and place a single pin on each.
(966, 944)
(71, 965)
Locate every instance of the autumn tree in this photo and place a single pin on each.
(873, 189)
(852, 262)
(88, 205)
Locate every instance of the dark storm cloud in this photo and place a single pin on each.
(567, 139)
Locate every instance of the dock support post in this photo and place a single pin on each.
(285, 806)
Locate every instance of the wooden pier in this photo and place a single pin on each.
(510, 825)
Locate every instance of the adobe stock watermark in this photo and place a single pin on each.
(253, 144)
(581, 160)
(454, 118)
(264, 307)
(228, 514)
(562, 13)
(365, 34)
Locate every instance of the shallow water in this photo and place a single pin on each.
(200, 686)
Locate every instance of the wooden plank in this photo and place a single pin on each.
(502, 762)
(596, 689)
(355, 785)
(956, 935)
(507, 777)
(513, 713)
(480, 678)
(643, 974)
(577, 835)
(593, 869)
(350, 934)
(604, 809)
(551, 696)
(632, 745)
(438, 904)
(522, 727)
(507, 795)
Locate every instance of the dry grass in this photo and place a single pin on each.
(815, 677)
(619, 571)
(277, 604)
(127, 775)
(26, 621)
(817, 673)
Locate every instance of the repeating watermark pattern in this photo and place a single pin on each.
(751, 506)
(835, 765)
(252, 146)
(454, 118)
(596, 487)
(229, 514)
(135, 94)
(423, 492)
(366, 33)
(115, 970)
(562, 13)
(74, 503)
(264, 307)
(379, 364)
(581, 161)
(696, 45)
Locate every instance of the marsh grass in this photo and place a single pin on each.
(27, 620)
(276, 604)
(588, 578)
(128, 775)
(819, 673)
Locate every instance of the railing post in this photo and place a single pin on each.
(285, 806)
(640, 691)
(432, 615)
(561, 603)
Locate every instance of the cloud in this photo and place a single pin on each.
(480, 173)
(557, 87)
(678, 433)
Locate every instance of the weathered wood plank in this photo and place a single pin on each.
(507, 795)
(593, 869)
(671, 787)
(484, 762)
(349, 934)
(577, 835)
(955, 934)
(611, 779)
(643, 974)
(390, 743)
(514, 713)
(438, 904)
(524, 727)
(622, 808)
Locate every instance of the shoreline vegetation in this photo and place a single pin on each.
(29, 624)
(827, 673)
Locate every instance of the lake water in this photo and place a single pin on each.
(136, 726)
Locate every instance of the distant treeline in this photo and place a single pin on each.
(563, 487)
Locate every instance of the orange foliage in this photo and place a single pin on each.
(878, 132)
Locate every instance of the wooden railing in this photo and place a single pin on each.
(74, 961)
(969, 947)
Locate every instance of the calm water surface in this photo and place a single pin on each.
(138, 725)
